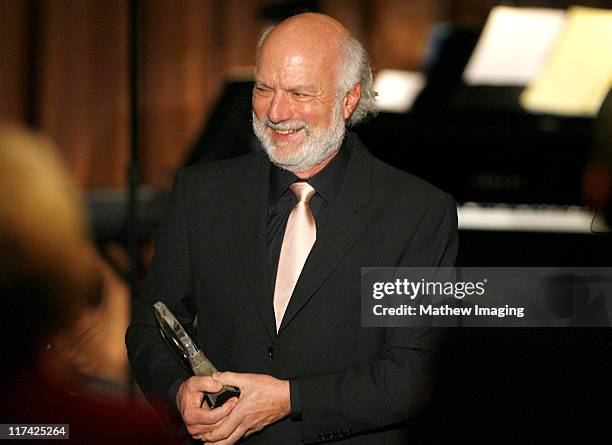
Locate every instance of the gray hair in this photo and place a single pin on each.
(353, 68)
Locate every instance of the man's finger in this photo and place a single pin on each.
(230, 378)
(209, 416)
(197, 431)
(204, 384)
(192, 399)
(225, 430)
(233, 438)
(191, 392)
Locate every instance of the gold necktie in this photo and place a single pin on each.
(300, 235)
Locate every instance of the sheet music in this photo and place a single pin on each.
(578, 76)
(514, 45)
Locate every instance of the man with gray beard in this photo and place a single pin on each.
(267, 253)
(320, 144)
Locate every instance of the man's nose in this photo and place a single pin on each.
(280, 108)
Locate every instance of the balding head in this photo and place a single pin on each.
(328, 39)
(315, 35)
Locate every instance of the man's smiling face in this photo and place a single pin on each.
(297, 114)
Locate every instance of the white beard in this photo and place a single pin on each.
(319, 145)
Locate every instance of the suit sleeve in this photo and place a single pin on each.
(155, 366)
(395, 388)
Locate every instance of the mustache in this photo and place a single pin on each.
(286, 125)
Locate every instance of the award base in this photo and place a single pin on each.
(217, 399)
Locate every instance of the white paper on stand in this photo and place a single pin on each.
(514, 46)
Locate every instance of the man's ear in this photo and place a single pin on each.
(350, 101)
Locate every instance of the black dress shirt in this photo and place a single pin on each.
(326, 183)
(282, 200)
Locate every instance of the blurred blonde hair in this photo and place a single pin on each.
(47, 271)
(38, 200)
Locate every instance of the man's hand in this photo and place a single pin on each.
(263, 400)
(198, 417)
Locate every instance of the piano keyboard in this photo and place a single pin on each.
(530, 218)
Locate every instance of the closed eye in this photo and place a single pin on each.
(262, 90)
(301, 96)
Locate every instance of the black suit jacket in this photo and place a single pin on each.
(363, 384)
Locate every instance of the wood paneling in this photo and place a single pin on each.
(14, 59)
(82, 86)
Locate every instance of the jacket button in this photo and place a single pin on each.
(271, 352)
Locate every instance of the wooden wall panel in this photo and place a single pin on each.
(177, 81)
(400, 32)
(353, 14)
(240, 27)
(83, 101)
(14, 59)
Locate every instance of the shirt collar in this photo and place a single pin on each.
(326, 182)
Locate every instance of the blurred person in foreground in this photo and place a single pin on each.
(276, 308)
(49, 279)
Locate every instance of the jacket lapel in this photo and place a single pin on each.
(345, 223)
(249, 223)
